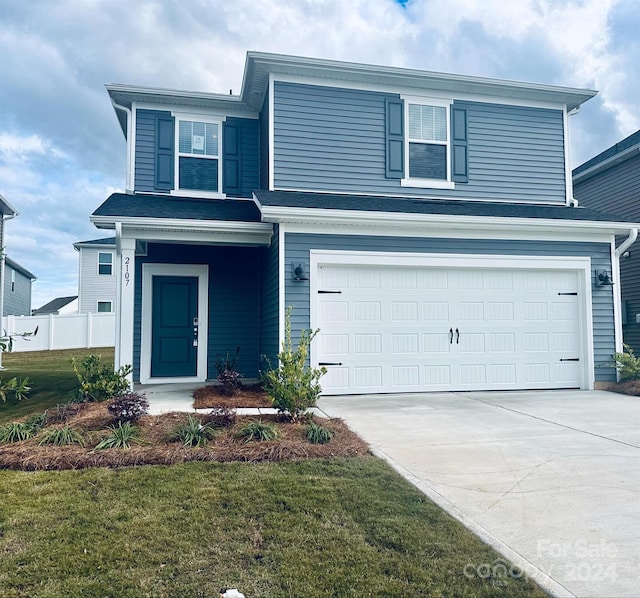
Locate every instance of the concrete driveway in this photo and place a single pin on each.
(550, 478)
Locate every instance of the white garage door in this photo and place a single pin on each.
(395, 329)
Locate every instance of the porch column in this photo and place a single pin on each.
(124, 313)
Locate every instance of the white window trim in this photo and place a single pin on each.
(104, 312)
(202, 118)
(99, 264)
(407, 181)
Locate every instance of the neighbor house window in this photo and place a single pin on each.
(104, 307)
(199, 155)
(105, 264)
(427, 142)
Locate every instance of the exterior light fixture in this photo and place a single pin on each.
(298, 273)
(603, 278)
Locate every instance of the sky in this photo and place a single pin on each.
(62, 152)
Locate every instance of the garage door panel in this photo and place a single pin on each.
(436, 329)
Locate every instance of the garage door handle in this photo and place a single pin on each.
(451, 336)
(329, 363)
(571, 359)
(457, 336)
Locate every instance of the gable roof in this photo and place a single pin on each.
(54, 305)
(105, 242)
(18, 268)
(623, 150)
(259, 66)
(6, 209)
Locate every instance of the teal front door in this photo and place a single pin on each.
(174, 326)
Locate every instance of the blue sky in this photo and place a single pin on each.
(61, 149)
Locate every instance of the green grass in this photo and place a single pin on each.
(313, 528)
(51, 378)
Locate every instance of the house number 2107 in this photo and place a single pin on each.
(127, 275)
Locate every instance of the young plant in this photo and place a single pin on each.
(294, 386)
(128, 407)
(228, 376)
(194, 433)
(221, 416)
(317, 434)
(16, 431)
(98, 381)
(19, 387)
(37, 421)
(62, 437)
(121, 436)
(627, 364)
(259, 430)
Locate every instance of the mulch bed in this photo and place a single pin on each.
(628, 388)
(156, 448)
(209, 397)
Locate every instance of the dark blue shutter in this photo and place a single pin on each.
(231, 158)
(459, 159)
(165, 158)
(394, 138)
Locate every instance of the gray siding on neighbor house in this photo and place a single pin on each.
(94, 287)
(145, 150)
(617, 190)
(333, 139)
(297, 246)
(17, 300)
(269, 302)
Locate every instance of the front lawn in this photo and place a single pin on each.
(343, 527)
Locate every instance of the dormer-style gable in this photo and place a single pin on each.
(304, 124)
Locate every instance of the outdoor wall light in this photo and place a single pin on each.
(298, 273)
(603, 278)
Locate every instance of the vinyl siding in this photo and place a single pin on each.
(234, 301)
(18, 301)
(617, 190)
(297, 246)
(145, 158)
(269, 302)
(264, 145)
(94, 287)
(332, 139)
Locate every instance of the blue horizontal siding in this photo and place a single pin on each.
(269, 302)
(333, 139)
(298, 245)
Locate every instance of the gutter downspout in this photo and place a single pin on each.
(129, 178)
(617, 295)
(2, 267)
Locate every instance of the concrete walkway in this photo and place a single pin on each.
(551, 479)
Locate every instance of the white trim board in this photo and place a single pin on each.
(580, 265)
(201, 272)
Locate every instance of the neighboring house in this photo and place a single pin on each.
(96, 275)
(422, 221)
(7, 212)
(58, 306)
(611, 181)
(17, 289)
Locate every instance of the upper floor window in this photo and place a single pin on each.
(105, 263)
(198, 156)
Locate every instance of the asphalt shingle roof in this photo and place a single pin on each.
(626, 143)
(164, 206)
(54, 305)
(370, 203)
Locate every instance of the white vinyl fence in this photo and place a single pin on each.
(68, 331)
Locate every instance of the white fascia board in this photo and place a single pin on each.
(399, 219)
(7, 209)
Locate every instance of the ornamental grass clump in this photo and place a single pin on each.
(317, 434)
(62, 437)
(193, 433)
(294, 386)
(257, 430)
(16, 432)
(122, 436)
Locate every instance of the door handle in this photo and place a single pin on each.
(457, 336)
(451, 336)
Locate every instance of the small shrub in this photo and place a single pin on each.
(128, 407)
(98, 381)
(294, 386)
(121, 436)
(257, 430)
(37, 421)
(627, 364)
(193, 433)
(19, 387)
(221, 416)
(317, 434)
(228, 376)
(62, 437)
(16, 431)
(62, 412)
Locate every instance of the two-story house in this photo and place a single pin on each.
(96, 275)
(610, 181)
(424, 222)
